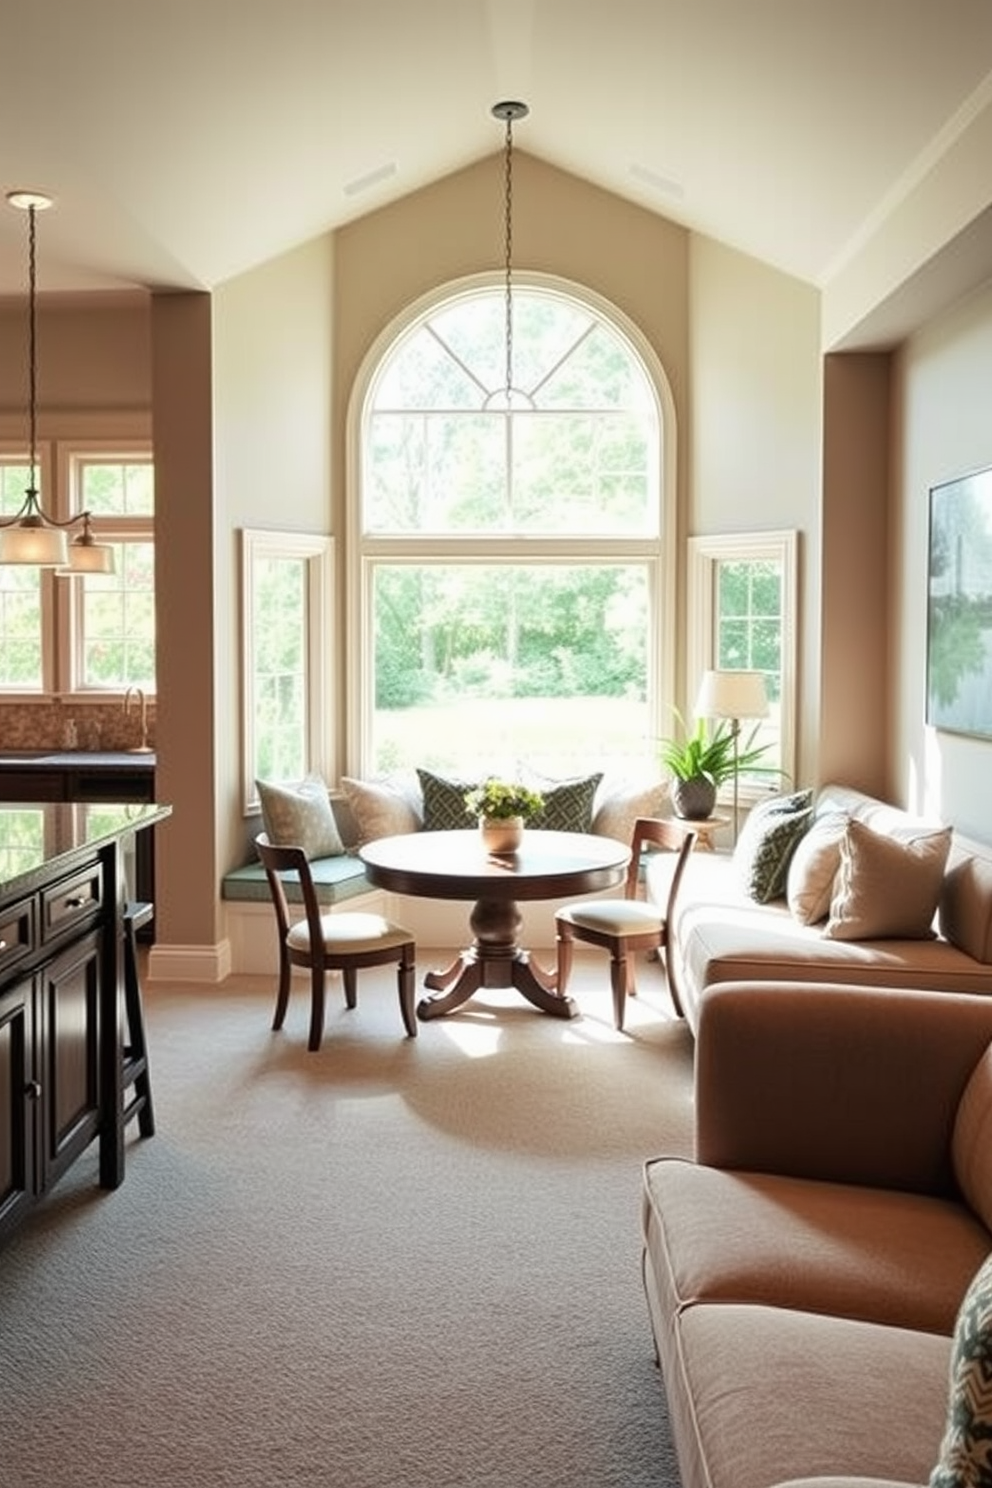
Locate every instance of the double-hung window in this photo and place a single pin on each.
(511, 598)
(742, 617)
(93, 633)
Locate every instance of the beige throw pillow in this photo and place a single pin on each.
(813, 868)
(886, 887)
(618, 805)
(300, 816)
(380, 809)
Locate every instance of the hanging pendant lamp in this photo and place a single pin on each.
(31, 537)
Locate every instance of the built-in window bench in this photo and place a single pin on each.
(437, 924)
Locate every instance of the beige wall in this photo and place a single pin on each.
(942, 429)
(755, 430)
(272, 442)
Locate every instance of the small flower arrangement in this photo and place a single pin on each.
(498, 800)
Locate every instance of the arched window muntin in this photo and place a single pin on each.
(502, 533)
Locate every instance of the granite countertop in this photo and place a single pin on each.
(64, 759)
(60, 830)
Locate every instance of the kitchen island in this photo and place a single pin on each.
(64, 883)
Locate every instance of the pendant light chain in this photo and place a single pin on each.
(508, 112)
(32, 346)
(508, 202)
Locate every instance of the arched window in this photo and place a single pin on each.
(509, 556)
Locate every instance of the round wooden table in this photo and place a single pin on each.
(456, 865)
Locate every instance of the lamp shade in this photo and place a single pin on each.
(87, 556)
(31, 542)
(732, 695)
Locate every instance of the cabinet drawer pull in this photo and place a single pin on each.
(4, 944)
(76, 902)
(33, 1090)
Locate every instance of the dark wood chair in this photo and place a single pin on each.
(628, 925)
(331, 942)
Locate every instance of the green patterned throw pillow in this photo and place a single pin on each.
(567, 804)
(300, 816)
(965, 1459)
(767, 841)
(444, 803)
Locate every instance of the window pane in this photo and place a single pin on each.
(749, 633)
(578, 452)
(116, 488)
(14, 481)
(118, 620)
(280, 627)
(479, 667)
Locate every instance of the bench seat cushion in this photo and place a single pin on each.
(335, 879)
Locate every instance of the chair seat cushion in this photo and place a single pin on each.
(351, 932)
(614, 916)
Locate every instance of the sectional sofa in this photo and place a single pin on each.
(719, 933)
(805, 1273)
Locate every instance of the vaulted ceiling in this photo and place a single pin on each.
(186, 141)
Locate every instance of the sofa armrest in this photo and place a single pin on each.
(845, 1084)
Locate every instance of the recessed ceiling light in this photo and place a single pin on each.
(363, 183)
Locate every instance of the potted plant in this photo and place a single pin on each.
(701, 761)
(503, 807)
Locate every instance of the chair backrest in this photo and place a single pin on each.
(278, 860)
(659, 832)
(664, 834)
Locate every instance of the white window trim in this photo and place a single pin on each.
(705, 554)
(361, 551)
(317, 552)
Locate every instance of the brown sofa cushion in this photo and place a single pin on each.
(846, 1250)
(766, 1393)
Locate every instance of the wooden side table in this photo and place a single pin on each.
(705, 830)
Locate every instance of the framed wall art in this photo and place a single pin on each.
(959, 606)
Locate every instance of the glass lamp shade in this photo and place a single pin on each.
(87, 556)
(732, 695)
(31, 542)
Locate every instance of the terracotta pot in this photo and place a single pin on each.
(694, 799)
(501, 834)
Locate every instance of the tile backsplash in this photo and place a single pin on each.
(49, 724)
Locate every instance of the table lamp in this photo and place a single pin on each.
(733, 695)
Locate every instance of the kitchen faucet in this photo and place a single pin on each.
(144, 747)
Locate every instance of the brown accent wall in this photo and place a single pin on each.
(854, 677)
(187, 911)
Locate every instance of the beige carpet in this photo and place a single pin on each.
(393, 1262)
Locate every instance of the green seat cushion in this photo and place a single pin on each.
(335, 879)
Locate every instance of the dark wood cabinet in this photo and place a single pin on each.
(61, 1031)
(19, 1093)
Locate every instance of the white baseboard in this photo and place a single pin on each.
(197, 964)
